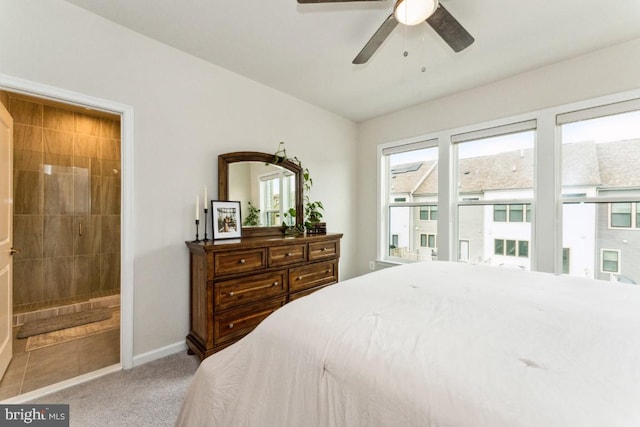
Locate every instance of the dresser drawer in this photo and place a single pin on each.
(289, 254)
(238, 322)
(235, 292)
(230, 262)
(312, 275)
(322, 250)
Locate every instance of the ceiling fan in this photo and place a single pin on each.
(412, 12)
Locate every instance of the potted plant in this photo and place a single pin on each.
(253, 217)
(313, 210)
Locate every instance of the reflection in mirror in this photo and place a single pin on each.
(266, 193)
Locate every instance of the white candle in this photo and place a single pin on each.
(197, 208)
(206, 199)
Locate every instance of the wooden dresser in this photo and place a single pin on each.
(235, 284)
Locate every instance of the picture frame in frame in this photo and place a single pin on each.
(225, 218)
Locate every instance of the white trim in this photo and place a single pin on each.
(411, 146)
(159, 353)
(36, 394)
(598, 111)
(494, 131)
(14, 84)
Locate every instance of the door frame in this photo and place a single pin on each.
(39, 90)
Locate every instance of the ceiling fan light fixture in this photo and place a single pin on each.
(413, 12)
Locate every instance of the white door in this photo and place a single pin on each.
(6, 237)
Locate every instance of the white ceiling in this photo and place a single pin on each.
(306, 50)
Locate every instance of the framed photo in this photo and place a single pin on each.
(225, 217)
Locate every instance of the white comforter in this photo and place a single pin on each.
(434, 344)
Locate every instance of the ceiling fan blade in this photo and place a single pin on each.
(376, 40)
(330, 1)
(450, 29)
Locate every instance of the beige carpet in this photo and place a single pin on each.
(56, 337)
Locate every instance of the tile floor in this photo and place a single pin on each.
(31, 370)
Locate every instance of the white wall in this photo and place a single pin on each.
(187, 112)
(604, 72)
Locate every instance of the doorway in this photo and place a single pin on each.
(67, 185)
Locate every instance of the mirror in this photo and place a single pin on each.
(252, 179)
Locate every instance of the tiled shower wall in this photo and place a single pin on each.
(66, 204)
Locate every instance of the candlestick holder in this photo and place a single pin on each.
(206, 239)
(197, 238)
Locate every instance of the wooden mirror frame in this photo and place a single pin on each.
(224, 160)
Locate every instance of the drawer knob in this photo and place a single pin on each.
(231, 293)
(275, 283)
(242, 261)
(299, 278)
(323, 249)
(230, 325)
(289, 254)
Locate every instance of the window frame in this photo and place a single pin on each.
(618, 253)
(545, 215)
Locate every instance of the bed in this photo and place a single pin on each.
(433, 344)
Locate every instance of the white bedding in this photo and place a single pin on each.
(434, 344)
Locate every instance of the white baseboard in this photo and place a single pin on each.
(159, 353)
(37, 394)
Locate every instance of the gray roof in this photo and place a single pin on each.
(604, 165)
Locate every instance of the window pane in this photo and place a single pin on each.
(610, 261)
(523, 248)
(528, 218)
(511, 247)
(434, 213)
(424, 213)
(498, 245)
(516, 213)
(432, 241)
(412, 178)
(500, 213)
(597, 154)
(621, 214)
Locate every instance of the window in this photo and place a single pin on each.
(508, 247)
(610, 261)
(512, 213)
(495, 190)
(585, 226)
(276, 194)
(411, 192)
(516, 213)
(500, 213)
(523, 248)
(429, 213)
(600, 152)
